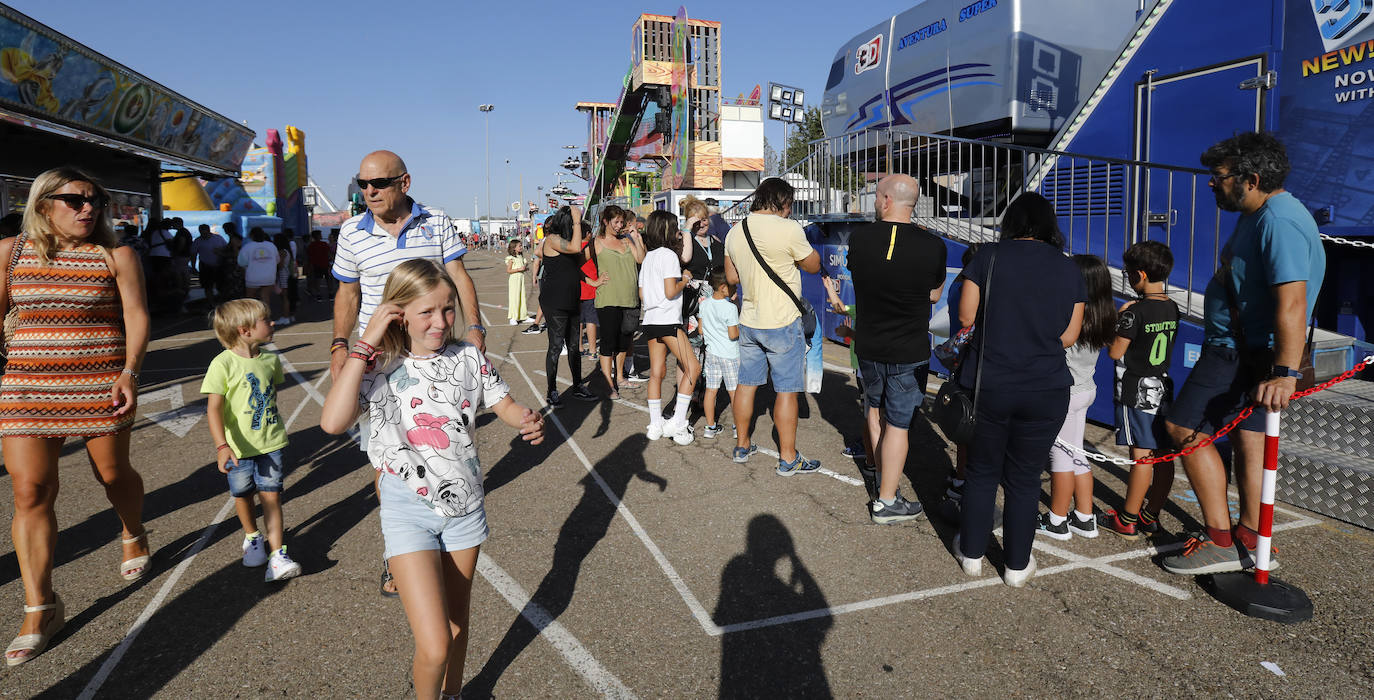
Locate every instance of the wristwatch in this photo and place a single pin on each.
(1281, 371)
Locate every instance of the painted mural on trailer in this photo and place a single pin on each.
(47, 75)
(1326, 108)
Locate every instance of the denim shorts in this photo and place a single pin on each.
(587, 312)
(894, 387)
(720, 370)
(779, 352)
(261, 473)
(409, 525)
(1137, 428)
(1216, 390)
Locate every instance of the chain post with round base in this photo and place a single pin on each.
(1261, 595)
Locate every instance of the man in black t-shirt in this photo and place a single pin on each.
(897, 271)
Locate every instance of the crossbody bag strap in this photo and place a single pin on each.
(768, 269)
(983, 332)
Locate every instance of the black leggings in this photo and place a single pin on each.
(612, 320)
(563, 330)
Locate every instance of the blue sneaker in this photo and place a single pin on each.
(854, 450)
(742, 454)
(800, 465)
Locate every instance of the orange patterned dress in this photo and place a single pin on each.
(67, 349)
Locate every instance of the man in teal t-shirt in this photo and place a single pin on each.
(1255, 315)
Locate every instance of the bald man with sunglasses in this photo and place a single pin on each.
(395, 228)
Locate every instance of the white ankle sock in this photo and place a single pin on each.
(680, 406)
(1082, 517)
(656, 412)
(1057, 520)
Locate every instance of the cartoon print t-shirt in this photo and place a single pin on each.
(252, 425)
(421, 415)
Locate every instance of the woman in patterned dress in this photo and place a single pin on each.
(72, 371)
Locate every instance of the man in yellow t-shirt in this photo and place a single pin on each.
(771, 338)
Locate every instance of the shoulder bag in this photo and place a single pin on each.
(954, 410)
(808, 314)
(11, 313)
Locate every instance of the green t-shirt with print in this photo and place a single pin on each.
(252, 425)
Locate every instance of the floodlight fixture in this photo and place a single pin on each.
(775, 93)
(787, 113)
(797, 97)
(798, 115)
(775, 110)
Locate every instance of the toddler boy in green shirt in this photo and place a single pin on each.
(241, 385)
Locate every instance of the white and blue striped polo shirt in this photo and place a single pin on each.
(367, 253)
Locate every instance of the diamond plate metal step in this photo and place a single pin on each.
(1340, 418)
(1326, 481)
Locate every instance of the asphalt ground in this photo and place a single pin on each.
(623, 567)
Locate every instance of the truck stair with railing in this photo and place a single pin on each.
(1120, 166)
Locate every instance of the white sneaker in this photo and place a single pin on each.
(679, 430)
(254, 550)
(1017, 578)
(654, 431)
(514, 322)
(281, 567)
(972, 567)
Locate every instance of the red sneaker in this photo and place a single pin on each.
(1111, 522)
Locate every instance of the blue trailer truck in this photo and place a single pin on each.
(1104, 107)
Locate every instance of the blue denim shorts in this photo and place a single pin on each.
(779, 352)
(1137, 428)
(894, 387)
(257, 473)
(408, 524)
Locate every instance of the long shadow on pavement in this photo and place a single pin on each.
(781, 661)
(585, 526)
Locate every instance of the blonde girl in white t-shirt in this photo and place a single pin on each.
(661, 281)
(421, 388)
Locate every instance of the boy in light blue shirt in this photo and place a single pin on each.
(720, 328)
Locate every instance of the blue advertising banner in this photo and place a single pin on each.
(47, 75)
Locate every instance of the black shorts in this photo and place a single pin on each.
(588, 312)
(1216, 390)
(657, 331)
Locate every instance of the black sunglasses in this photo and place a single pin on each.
(78, 202)
(379, 183)
(1218, 177)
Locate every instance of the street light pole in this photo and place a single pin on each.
(517, 218)
(486, 111)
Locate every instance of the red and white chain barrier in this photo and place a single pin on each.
(1245, 413)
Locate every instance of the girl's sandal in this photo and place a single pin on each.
(133, 569)
(36, 643)
(386, 578)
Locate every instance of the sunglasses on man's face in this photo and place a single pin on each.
(378, 183)
(78, 202)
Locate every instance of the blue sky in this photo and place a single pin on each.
(408, 75)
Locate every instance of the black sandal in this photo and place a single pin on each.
(386, 578)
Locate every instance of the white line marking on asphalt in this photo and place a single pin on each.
(290, 369)
(177, 420)
(577, 656)
(958, 587)
(674, 578)
(301, 406)
(155, 604)
(1124, 575)
(151, 609)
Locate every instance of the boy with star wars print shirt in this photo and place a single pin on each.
(421, 412)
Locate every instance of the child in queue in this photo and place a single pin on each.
(720, 329)
(421, 388)
(661, 281)
(1071, 477)
(241, 388)
(515, 283)
(1143, 348)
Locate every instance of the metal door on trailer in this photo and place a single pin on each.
(1178, 117)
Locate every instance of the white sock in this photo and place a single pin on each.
(656, 412)
(1082, 517)
(680, 407)
(1056, 519)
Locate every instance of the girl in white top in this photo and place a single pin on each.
(661, 281)
(421, 388)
